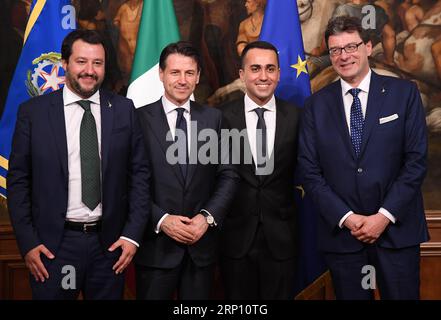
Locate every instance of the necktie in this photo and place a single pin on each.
(181, 124)
(357, 121)
(260, 137)
(90, 160)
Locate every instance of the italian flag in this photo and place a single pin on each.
(158, 28)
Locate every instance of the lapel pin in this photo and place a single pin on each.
(383, 90)
(109, 104)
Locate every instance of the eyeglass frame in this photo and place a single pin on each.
(340, 49)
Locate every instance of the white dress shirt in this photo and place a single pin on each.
(251, 122)
(77, 211)
(347, 102)
(172, 115)
(73, 114)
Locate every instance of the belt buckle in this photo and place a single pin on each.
(87, 225)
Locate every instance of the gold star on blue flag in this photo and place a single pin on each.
(300, 66)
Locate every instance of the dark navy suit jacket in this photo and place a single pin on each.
(388, 173)
(38, 174)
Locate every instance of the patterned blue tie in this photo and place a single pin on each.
(181, 123)
(356, 121)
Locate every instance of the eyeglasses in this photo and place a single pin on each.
(349, 48)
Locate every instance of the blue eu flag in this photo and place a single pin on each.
(38, 70)
(281, 27)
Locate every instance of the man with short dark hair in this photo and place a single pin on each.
(362, 155)
(78, 178)
(258, 244)
(189, 198)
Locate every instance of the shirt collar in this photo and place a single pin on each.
(363, 86)
(250, 105)
(70, 97)
(170, 106)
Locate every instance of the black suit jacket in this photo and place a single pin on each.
(209, 186)
(38, 174)
(269, 200)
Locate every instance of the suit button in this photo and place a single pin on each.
(360, 170)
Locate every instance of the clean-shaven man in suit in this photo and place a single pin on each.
(189, 199)
(78, 181)
(258, 235)
(362, 154)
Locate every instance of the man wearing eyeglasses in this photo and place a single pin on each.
(362, 155)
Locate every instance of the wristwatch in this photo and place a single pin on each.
(209, 218)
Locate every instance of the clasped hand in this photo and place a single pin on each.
(183, 229)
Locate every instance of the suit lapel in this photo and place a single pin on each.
(374, 105)
(338, 113)
(244, 147)
(58, 125)
(160, 130)
(106, 126)
(195, 115)
(279, 134)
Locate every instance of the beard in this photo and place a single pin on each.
(78, 89)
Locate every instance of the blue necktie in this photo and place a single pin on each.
(356, 121)
(181, 124)
(260, 143)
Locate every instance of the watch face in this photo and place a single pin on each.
(210, 220)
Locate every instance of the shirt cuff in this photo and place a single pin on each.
(206, 211)
(388, 215)
(158, 226)
(342, 220)
(130, 240)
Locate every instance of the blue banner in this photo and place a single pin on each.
(281, 27)
(39, 69)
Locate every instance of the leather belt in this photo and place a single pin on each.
(85, 227)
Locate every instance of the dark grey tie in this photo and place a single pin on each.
(181, 123)
(261, 138)
(90, 159)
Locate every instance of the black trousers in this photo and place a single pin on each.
(80, 265)
(188, 281)
(258, 275)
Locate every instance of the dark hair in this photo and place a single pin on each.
(88, 36)
(184, 48)
(258, 45)
(345, 24)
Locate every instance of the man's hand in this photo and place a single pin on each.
(354, 222)
(372, 228)
(177, 228)
(34, 263)
(128, 251)
(199, 226)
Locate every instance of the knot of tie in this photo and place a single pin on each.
(180, 112)
(354, 92)
(85, 104)
(260, 112)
